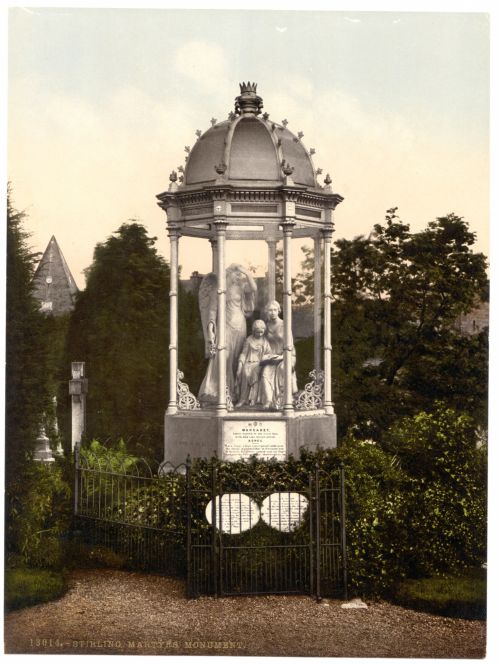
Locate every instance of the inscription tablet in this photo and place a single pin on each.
(284, 510)
(244, 438)
(234, 513)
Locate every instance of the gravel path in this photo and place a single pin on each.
(116, 612)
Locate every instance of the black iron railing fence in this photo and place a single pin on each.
(228, 529)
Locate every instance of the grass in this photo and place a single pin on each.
(26, 587)
(455, 596)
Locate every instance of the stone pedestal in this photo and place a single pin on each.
(241, 433)
(42, 451)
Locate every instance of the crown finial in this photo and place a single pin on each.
(248, 101)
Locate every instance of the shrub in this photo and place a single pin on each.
(38, 516)
(445, 491)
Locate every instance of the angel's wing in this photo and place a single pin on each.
(207, 300)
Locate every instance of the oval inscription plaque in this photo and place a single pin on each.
(284, 510)
(234, 513)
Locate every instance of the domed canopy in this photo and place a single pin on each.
(253, 173)
(249, 148)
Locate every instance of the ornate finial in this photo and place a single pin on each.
(187, 149)
(319, 171)
(181, 178)
(265, 116)
(221, 168)
(300, 134)
(248, 87)
(284, 122)
(198, 132)
(180, 169)
(248, 101)
(173, 176)
(328, 179)
(286, 168)
(312, 151)
(231, 116)
(273, 127)
(213, 122)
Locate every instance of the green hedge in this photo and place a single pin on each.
(416, 500)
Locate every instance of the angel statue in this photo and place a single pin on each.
(272, 382)
(241, 293)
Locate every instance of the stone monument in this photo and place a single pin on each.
(250, 178)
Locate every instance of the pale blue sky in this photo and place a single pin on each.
(425, 63)
(102, 103)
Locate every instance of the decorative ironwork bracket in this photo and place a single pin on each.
(185, 399)
(311, 397)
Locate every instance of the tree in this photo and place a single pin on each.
(397, 295)
(28, 370)
(120, 328)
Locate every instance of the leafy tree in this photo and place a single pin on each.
(397, 295)
(120, 328)
(28, 370)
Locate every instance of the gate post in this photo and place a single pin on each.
(311, 536)
(318, 534)
(342, 523)
(77, 478)
(188, 526)
(214, 527)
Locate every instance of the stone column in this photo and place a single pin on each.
(317, 302)
(220, 226)
(78, 390)
(288, 226)
(327, 319)
(213, 244)
(271, 270)
(173, 233)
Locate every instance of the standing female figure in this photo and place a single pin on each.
(240, 304)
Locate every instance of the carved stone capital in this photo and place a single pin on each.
(220, 226)
(327, 231)
(288, 225)
(173, 231)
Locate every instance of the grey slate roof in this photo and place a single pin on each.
(53, 283)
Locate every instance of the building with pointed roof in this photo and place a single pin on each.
(53, 284)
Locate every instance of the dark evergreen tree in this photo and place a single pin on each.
(120, 329)
(28, 368)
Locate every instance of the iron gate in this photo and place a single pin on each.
(266, 532)
(133, 508)
(231, 529)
